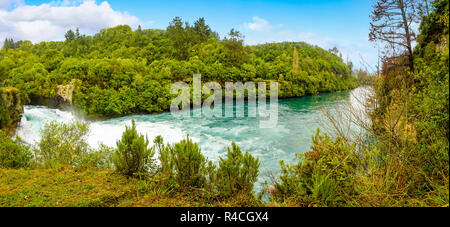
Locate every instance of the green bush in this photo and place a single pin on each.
(184, 163)
(237, 173)
(63, 144)
(133, 157)
(4, 114)
(325, 176)
(98, 159)
(165, 157)
(13, 154)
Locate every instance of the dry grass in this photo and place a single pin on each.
(389, 173)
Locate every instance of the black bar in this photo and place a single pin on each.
(225, 216)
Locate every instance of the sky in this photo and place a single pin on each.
(326, 23)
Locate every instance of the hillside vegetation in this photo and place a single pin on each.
(120, 71)
(403, 158)
(400, 160)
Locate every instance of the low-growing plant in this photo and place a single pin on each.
(98, 159)
(324, 176)
(133, 156)
(63, 144)
(238, 173)
(165, 157)
(184, 163)
(13, 153)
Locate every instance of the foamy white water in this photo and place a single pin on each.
(101, 132)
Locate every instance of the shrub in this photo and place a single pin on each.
(63, 144)
(237, 173)
(325, 176)
(133, 157)
(184, 163)
(165, 157)
(4, 114)
(98, 159)
(13, 154)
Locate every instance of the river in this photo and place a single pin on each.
(298, 120)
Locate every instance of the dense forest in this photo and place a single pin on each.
(120, 71)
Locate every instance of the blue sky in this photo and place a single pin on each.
(326, 23)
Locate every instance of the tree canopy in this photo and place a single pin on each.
(121, 71)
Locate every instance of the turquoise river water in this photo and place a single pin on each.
(298, 120)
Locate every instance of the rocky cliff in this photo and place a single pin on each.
(63, 99)
(11, 108)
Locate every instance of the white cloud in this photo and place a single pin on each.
(313, 39)
(306, 35)
(50, 21)
(151, 22)
(261, 31)
(353, 51)
(5, 4)
(259, 24)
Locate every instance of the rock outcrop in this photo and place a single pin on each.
(66, 91)
(62, 100)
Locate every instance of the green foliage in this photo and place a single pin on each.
(63, 144)
(94, 188)
(133, 156)
(236, 54)
(124, 71)
(402, 160)
(165, 157)
(238, 173)
(4, 113)
(10, 108)
(10, 44)
(184, 163)
(420, 102)
(325, 176)
(191, 167)
(13, 154)
(98, 159)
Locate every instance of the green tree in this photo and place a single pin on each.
(70, 36)
(202, 30)
(179, 35)
(77, 34)
(237, 54)
(238, 173)
(295, 63)
(8, 44)
(191, 167)
(184, 163)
